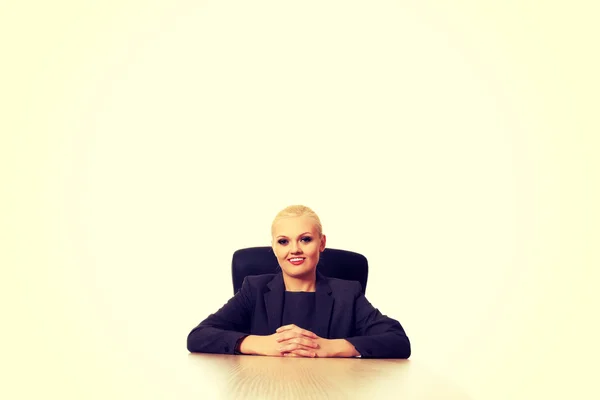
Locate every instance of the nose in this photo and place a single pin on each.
(295, 248)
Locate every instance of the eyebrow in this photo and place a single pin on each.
(302, 234)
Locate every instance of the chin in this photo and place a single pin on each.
(298, 273)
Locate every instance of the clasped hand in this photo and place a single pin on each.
(293, 341)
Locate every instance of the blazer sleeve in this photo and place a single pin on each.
(220, 331)
(377, 336)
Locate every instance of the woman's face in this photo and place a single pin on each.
(297, 245)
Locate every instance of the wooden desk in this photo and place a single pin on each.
(253, 377)
(172, 373)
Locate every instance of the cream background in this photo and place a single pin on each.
(454, 144)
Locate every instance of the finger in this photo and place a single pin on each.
(292, 346)
(303, 353)
(305, 342)
(303, 332)
(282, 337)
(285, 328)
(295, 334)
(291, 336)
(299, 340)
(307, 333)
(296, 328)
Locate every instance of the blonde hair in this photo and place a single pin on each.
(298, 211)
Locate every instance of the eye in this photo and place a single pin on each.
(282, 242)
(306, 239)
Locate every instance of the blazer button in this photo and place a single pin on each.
(226, 349)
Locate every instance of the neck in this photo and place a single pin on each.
(300, 284)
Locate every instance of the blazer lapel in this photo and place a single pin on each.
(324, 307)
(274, 302)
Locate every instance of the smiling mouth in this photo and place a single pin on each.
(296, 260)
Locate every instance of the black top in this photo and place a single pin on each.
(299, 308)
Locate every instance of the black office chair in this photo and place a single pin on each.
(333, 263)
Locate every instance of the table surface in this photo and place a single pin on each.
(254, 377)
(172, 373)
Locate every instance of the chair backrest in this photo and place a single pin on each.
(334, 263)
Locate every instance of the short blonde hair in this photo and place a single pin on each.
(298, 211)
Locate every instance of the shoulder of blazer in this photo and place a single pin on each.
(342, 287)
(260, 281)
(254, 286)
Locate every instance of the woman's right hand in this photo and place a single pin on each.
(271, 345)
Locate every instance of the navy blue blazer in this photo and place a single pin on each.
(343, 312)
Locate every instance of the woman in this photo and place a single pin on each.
(298, 312)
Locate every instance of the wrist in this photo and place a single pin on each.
(249, 345)
(343, 348)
